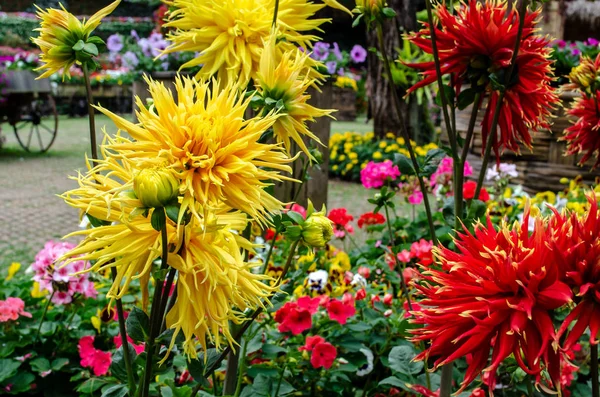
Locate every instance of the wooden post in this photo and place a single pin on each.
(315, 188)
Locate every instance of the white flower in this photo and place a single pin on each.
(317, 281)
(508, 170)
(501, 171)
(366, 368)
(359, 280)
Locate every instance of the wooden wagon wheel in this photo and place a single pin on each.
(36, 123)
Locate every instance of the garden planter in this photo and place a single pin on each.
(542, 167)
(344, 101)
(24, 82)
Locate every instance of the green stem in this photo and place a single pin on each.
(248, 322)
(411, 152)
(124, 341)
(275, 12)
(269, 253)
(442, 92)
(530, 387)
(240, 378)
(594, 370)
(470, 128)
(214, 378)
(279, 381)
(90, 100)
(354, 243)
(446, 380)
(398, 264)
(37, 335)
(156, 317)
(165, 297)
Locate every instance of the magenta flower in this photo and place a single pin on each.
(375, 175)
(358, 54)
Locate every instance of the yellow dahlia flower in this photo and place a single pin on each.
(155, 187)
(126, 239)
(229, 34)
(214, 286)
(317, 230)
(283, 81)
(59, 32)
(203, 137)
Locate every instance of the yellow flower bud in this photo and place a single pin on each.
(317, 230)
(155, 187)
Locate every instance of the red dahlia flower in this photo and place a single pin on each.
(584, 135)
(370, 218)
(495, 293)
(323, 355)
(479, 40)
(576, 242)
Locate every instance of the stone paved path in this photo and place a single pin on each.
(30, 211)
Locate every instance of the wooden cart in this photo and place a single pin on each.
(31, 110)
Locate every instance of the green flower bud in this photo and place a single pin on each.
(155, 187)
(317, 229)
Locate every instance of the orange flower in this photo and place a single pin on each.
(495, 293)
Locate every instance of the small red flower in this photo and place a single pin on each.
(422, 250)
(339, 311)
(364, 271)
(374, 299)
(323, 355)
(341, 222)
(388, 299)
(348, 299)
(469, 191)
(360, 294)
(292, 318)
(308, 303)
(311, 342)
(370, 218)
(410, 273)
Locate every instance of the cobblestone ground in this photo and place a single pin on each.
(31, 213)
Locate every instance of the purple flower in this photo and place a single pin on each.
(145, 46)
(331, 67)
(130, 60)
(320, 51)
(358, 54)
(341, 72)
(592, 41)
(114, 43)
(157, 44)
(575, 51)
(135, 35)
(336, 51)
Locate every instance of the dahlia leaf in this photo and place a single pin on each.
(404, 164)
(137, 325)
(465, 98)
(401, 360)
(79, 45)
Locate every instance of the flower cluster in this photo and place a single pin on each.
(441, 180)
(370, 218)
(336, 60)
(64, 281)
(11, 309)
(341, 222)
(323, 353)
(350, 152)
(376, 175)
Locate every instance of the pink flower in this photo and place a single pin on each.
(375, 175)
(404, 256)
(297, 208)
(293, 318)
(119, 342)
(443, 175)
(310, 304)
(410, 273)
(422, 250)
(339, 311)
(364, 271)
(388, 299)
(98, 360)
(323, 355)
(416, 197)
(311, 342)
(348, 299)
(11, 309)
(52, 275)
